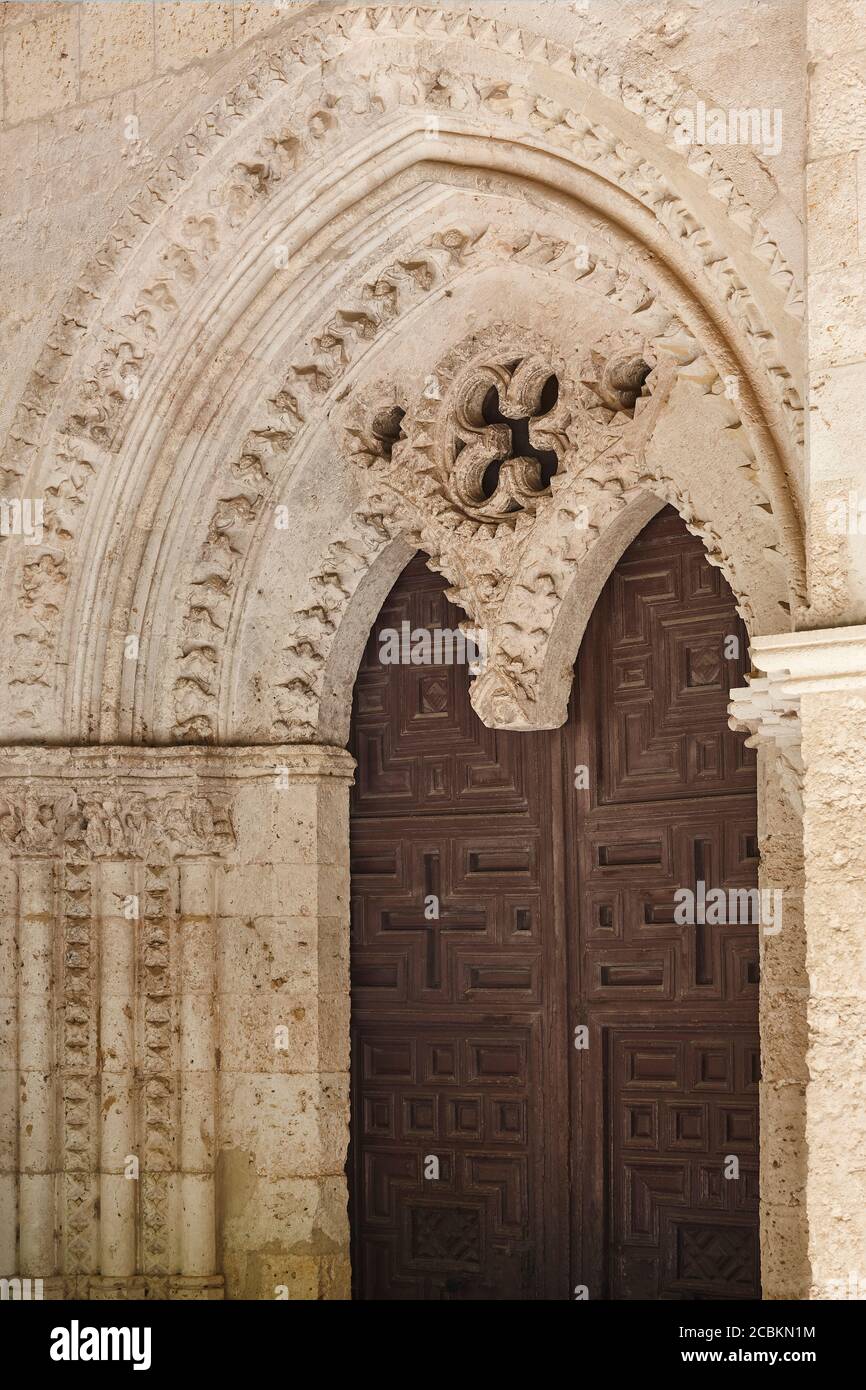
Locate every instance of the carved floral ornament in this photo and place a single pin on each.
(129, 825)
(504, 419)
(179, 264)
(510, 568)
(508, 433)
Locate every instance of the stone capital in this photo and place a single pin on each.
(770, 716)
(765, 711)
(106, 802)
(813, 662)
(794, 664)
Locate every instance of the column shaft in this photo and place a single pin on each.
(198, 1044)
(117, 1190)
(834, 734)
(8, 1071)
(37, 1124)
(823, 673)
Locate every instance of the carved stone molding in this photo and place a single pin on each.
(510, 572)
(588, 435)
(297, 104)
(116, 904)
(769, 713)
(103, 802)
(116, 826)
(280, 155)
(815, 661)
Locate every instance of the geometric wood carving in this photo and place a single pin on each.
(556, 908)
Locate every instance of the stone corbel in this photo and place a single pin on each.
(769, 714)
(794, 665)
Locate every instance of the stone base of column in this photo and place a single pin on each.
(304, 1277)
(108, 1287)
(171, 1288)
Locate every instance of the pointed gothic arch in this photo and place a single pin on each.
(381, 205)
(162, 426)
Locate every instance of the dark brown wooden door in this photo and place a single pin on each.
(667, 1091)
(452, 1016)
(497, 907)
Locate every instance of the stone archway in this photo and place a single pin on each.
(243, 413)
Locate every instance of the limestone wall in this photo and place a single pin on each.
(255, 259)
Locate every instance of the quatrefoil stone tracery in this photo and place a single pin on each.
(505, 438)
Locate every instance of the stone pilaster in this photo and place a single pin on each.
(772, 722)
(825, 673)
(174, 971)
(836, 328)
(283, 907)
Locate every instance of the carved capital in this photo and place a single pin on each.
(764, 710)
(769, 714)
(33, 824)
(816, 661)
(131, 825)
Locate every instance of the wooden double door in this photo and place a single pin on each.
(554, 1082)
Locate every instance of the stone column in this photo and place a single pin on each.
(118, 922)
(36, 1071)
(772, 721)
(836, 325)
(825, 671)
(197, 1064)
(8, 1071)
(283, 906)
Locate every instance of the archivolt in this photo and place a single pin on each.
(189, 379)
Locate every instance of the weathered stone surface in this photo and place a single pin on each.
(263, 263)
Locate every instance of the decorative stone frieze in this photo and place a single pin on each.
(108, 827)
